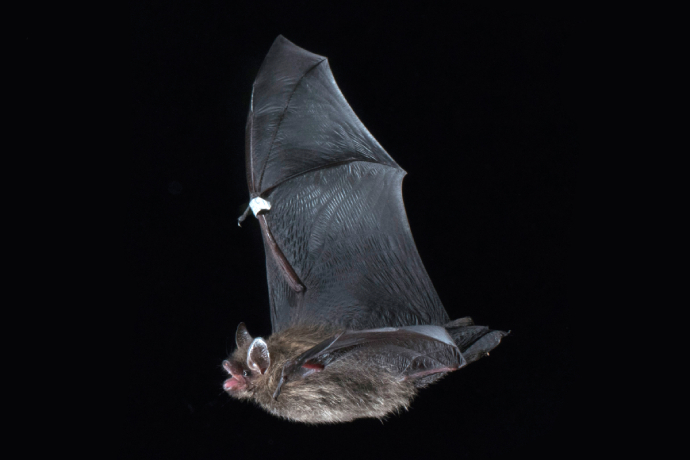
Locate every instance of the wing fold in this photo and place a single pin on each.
(413, 352)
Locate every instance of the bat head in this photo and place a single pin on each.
(247, 365)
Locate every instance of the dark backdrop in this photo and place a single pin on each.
(477, 106)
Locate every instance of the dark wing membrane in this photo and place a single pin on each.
(337, 219)
(415, 352)
(410, 350)
(345, 233)
(300, 121)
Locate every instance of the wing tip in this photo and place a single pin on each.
(283, 46)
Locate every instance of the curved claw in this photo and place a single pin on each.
(243, 216)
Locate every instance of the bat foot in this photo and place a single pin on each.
(461, 322)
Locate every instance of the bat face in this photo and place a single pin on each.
(247, 366)
(239, 376)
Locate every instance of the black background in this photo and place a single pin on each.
(476, 104)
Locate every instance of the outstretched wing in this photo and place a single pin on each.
(338, 245)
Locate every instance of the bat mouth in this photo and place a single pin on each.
(232, 384)
(236, 381)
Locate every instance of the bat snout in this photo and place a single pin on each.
(236, 380)
(232, 384)
(232, 368)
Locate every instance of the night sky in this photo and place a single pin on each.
(477, 105)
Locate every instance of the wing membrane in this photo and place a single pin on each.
(337, 218)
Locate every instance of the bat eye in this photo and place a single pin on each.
(246, 373)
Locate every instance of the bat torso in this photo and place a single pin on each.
(353, 386)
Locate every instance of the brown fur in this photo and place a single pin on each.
(349, 388)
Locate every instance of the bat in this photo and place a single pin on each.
(358, 328)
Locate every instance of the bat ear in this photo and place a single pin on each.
(258, 358)
(242, 337)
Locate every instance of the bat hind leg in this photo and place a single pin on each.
(426, 378)
(460, 322)
(483, 346)
(474, 342)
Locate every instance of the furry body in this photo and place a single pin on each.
(353, 386)
(360, 381)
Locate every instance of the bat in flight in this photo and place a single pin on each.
(358, 328)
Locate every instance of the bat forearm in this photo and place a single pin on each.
(280, 259)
